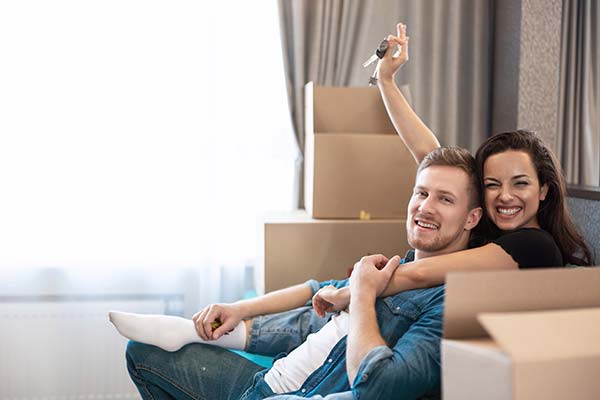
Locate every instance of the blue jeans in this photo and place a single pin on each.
(196, 372)
(412, 321)
(199, 371)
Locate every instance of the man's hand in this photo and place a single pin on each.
(372, 274)
(227, 315)
(369, 278)
(396, 55)
(329, 299)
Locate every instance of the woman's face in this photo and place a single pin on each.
(512, 190)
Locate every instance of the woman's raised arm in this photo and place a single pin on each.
(417, 137)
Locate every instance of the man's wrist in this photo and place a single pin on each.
(363, 296)
(244, 307)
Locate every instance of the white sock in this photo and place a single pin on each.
(171, 333)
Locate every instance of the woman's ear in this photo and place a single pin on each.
(543, 191)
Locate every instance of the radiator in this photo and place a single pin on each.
(66, 349)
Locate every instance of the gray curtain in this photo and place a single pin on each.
(449, 71)
(578, 139)
(318, 39)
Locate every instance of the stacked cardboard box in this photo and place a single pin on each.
(520, 335)
(354, 159)
(356, 166)
(296, 247)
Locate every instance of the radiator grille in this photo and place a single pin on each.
(66, 350)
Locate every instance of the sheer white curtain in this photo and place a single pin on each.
(144, 134)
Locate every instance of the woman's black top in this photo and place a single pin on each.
(531, 248)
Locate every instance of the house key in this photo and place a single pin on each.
(379, 53)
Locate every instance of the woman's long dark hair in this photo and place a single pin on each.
(553, 214)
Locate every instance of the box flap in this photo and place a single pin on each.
(346, 109)
(302, 217)
(546, 335)
(471, 293)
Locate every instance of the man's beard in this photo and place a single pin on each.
(427, 245)
(431, 245)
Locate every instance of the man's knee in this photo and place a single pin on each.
(135, 353)
(138, 354)
(136, 349)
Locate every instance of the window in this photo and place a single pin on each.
(140, 133)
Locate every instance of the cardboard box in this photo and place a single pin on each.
(532, 334)
(354, 159)
(295, 247)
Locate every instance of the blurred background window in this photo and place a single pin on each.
(140, 133)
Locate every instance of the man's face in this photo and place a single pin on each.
(439, 219)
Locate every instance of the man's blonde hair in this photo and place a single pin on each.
(459, 158)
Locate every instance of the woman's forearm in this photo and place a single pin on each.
(432, 271)
(409, 277)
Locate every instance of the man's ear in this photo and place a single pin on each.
(473, 218)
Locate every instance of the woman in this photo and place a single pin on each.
(526, 222)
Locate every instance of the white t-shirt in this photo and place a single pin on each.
(289, 373)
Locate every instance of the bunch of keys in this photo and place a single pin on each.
(379, 53)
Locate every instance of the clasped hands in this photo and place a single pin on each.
(370, 276)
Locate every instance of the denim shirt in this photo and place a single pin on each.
(407, 368)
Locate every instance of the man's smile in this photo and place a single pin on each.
(426, 224)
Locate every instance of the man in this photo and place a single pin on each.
(382, 348)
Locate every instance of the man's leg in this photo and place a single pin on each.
(197, 371)
(273, 334)
(268, 335)
(170, 332)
